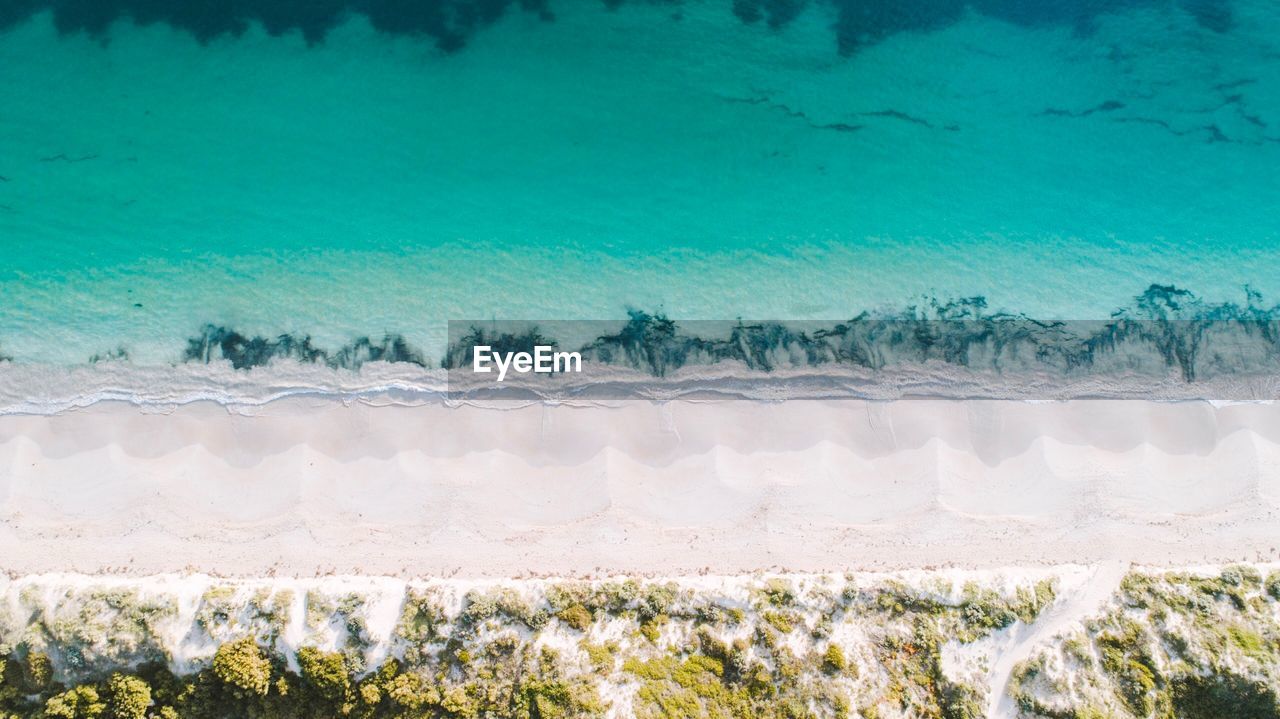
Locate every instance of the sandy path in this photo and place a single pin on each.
(1065, 614)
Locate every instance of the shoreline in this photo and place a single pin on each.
(50, 390)
(306, 488)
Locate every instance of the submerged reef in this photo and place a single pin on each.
(450, 23)
(801, 646)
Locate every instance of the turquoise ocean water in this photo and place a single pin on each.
(664, 156)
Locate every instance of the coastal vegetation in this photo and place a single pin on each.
(1166, 645)
(1177, 645)
(802, 646)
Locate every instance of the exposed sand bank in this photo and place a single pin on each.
(309, 486)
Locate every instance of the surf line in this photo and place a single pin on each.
(543, 360)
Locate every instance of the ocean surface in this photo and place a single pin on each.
(347, 170)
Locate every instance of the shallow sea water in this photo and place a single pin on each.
(663, 157)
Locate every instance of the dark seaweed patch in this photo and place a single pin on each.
(864, 22)
(450, 23)
(775, 12)
(1166, 331)
(460, 353)
(119, 354)
(219, 343)
(860, 23)
(1166, 326)
(1210, 14)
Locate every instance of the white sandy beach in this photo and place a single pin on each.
(309, 486)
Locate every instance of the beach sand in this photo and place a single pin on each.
(307, 486)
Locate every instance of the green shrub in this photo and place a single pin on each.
(499, 603)
(411, 692)
(81, 702)
(960, 701)
(780, 621)
(577, 617)
(37, 671)
(1029, 602)
(600, 656)
(243, 666)
(1134, 680)
(988, 615)
(128, 697)
(1241, 576)
(656, 599)
(652, 628)
(833, 661)
(420, 623)
(777, 592)
(326, 672)
(1249, 642)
